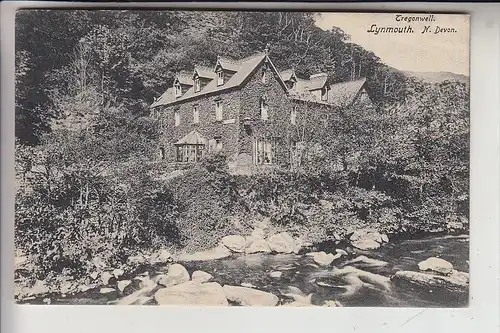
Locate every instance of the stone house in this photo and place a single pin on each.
(246, 109)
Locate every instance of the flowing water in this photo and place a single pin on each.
(305, 277)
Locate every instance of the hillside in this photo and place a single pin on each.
(438, 77)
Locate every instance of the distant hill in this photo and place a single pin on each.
(437, 77)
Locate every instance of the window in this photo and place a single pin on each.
(324, 94)
(293, 116)
(178, 90)
(196, 115)
(265, 151)
(220, 78)
(264, 74)
(190, 153)
(263, 109)
(197, 84)
(177, 118)
(162, 153)
(218, 111)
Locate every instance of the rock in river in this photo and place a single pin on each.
(176, 274)
(218, 252)
(275, 274)
(437, 265)
(123, 284)
(192, 293)
(323, 258)
(200, 276)
(455, 282)
(257, 245)
(105, 277)
(249, 297)
(234, 243)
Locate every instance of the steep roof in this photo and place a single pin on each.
(205, 72)
(345, 93)
(248, 65)
(288, 74)
(185, 78)
(317, 81)
(229, 63)
(192, 138)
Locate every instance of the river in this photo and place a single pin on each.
(300, 273)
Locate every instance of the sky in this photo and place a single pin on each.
(428, 52)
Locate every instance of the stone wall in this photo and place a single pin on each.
(208, 127)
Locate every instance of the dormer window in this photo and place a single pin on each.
(178, 89)
(263, 109)
(324, 94)
(197, 84)
(220, 77)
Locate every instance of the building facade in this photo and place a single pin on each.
(246, 109)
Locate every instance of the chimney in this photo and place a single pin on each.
(266, 50)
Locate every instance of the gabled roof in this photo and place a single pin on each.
(228, 63)
(288, 74)
(317, 81)
(344, 93)
(247, 67)
(192, 138)
(185, 78)
(203, 71)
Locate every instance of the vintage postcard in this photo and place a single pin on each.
(242, 158)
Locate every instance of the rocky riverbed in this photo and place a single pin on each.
(280, 271)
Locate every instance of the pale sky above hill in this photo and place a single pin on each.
(428, 52)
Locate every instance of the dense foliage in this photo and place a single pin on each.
(88, 186)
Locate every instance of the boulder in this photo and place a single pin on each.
(234, 243)
(200, 276)
(218, 252)
(192, 293)
(94, 275)
(353, 275)
(282, 243)
(118, 272)
(257, 245)
(322, 258)
(275, 274)
(332, 304)
(105, 277)
(367, 262)
(385, 238)
(456, 282)
(437, 265)
(366, 239)
(249, 297)
(106, 291)
(123, 284)
(176, 274)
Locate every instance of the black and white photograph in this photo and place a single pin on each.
(170, 157)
